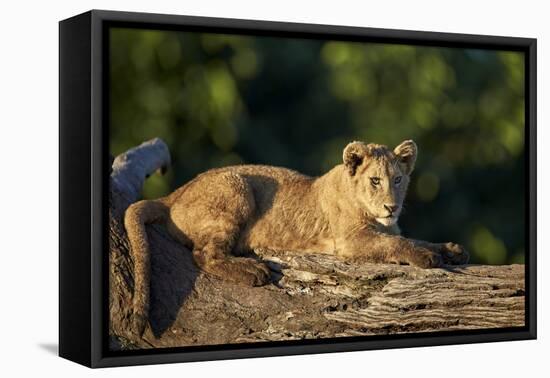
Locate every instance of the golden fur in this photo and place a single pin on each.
(351, 212)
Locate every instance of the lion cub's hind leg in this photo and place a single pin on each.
(218, 215)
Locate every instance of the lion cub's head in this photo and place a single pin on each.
(379, 177)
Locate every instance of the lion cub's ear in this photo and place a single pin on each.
(406, 153)
(354, 154)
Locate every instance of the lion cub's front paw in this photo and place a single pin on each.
(454, 254)
(424, 258)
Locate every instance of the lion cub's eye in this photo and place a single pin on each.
(375, 181)
(397, 180)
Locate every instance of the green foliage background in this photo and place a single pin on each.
(225, 99)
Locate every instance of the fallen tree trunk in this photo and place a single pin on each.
(312, 296)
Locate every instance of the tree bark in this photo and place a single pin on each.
(312, 296)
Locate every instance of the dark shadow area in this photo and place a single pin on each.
(173, 276)
(276, 271)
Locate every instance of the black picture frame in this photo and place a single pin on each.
(84, 161)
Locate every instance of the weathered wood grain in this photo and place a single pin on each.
(313, 296)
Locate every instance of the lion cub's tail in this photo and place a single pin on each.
(136, 217)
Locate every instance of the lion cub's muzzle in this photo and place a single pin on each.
(392, 213)
(392, 209)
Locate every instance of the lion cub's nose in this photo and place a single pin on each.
(391, 208)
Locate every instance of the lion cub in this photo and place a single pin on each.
(351, 212)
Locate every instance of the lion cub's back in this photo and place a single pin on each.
(262, 176)
(264, 180)
(279, 174)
